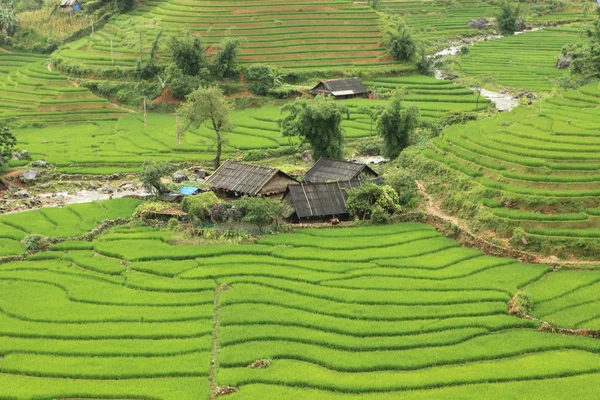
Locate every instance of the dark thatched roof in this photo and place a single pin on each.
(319, 199)
(341, 87)
(244, 178)
(327, 170)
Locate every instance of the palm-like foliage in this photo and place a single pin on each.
(8, 21)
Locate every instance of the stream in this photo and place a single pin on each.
(502, 101)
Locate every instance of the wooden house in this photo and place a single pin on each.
(328, 170)
(70, 6)
(342, 88)
(318, 201)
(237, 179)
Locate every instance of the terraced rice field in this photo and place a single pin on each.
(537, 171)
(126, 143)
(302, 34)
(438, 20)
(65, 222)
(373, 312)
(526, 61)
(30, 91)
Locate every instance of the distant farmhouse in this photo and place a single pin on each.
(70, 6)
(310, 201)
(237, 179)
(342, 88)
(328, 170)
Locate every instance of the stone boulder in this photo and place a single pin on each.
(21, 155)
(482, 23)
(107, 189)
(179, 177)
(29, 176)
(564, 62)
(40, 164)
(520, 25)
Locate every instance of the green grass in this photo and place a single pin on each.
(365, 312)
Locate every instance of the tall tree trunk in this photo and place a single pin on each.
(219, 149)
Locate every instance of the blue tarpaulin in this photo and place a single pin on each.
(77, 7)
(189, 191)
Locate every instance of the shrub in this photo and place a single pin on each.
(362, 200)
(260, 79)
(151, 175)
(34, 243)
(369, 148)
(260, 211)
(379, 216)
(459, 117)
(199, 206)
(405, 186)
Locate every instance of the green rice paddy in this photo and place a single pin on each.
(369, 312)
(98, 146)
(538, 164)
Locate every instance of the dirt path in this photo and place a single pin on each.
(5, 51)
(122, 108)
(433, 208)
(49, 67)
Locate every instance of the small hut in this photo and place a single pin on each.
(236, 179)
(328, 170)
(70, 6)
(342, 88)
(318, 201)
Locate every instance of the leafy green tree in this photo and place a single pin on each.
(260, 211)
(208, 105)
(399, 39)
(586, 54)
(261, 79)
(151, 175)
(225, 62)
(395, 126)
(188, 54)
(318, 122)
(7, 142)
(405, 186)
(8, 21)
(508, 18)
(363, 199)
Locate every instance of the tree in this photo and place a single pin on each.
(261, 79)
(479, 82)
(375, 4)
(208, 105)
(399, 39)
(363, 199)
(225, 62)
(395, 125)
(8, 21)
(586, 54)
(151, 175)
(7, 143)
(372, 112)
(318, 122)
(260, 211)
(188, 54)
(508, 18)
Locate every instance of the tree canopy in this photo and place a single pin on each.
(208, 105)
(508, 18)
(318, 122)
(395, 125)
